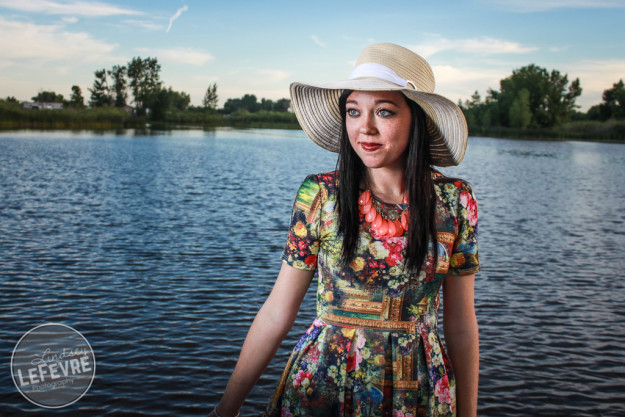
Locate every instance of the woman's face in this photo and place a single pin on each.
(378, 124)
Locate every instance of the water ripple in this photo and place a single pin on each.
(160, 249)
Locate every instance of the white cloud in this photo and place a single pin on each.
(70, 19)
(481, 46)
(176, 16)
(459, 83)
(143, 24)
(446, 74)
(72, 7)
(180, 56)
(559, 48)
(273, 75)
(317, 41)
(490, 46)
(44, 43)
(206, 79)
(544, 5)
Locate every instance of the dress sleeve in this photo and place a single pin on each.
(302, 244)
(464, 257)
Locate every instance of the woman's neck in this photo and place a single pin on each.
(386, 184)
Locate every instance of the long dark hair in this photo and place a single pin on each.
(419, 184)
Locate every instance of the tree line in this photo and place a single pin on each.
(531, 100)
(534, 98)
(139, 82)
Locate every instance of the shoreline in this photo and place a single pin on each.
(492, 132)
(611, 131)
(104, 127)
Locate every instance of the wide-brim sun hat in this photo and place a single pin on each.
(384, 67)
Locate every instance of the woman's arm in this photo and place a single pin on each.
(462, 339)
(272, 323)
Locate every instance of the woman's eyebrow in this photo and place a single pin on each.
(386, 102)
(376, 102)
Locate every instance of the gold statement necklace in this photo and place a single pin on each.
(382, 225)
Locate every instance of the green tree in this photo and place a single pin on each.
(551, 97)
(519, 112)
(479, 113)
(232, 105)
(159, 105)
(475, 99)
(282, 105)
(471, 109)
(266, 104)
(561, 98)
(211, 99)
(144, 81)
(48, 97)
(178, 100)
(119, 87)
(613, 105)
(76, 100)
(100, 93)
(250, 103)
(614, 98)
(167, 101)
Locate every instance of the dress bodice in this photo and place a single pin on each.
(374, 346)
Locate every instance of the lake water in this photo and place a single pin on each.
(160, 248)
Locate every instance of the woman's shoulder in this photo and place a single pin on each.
(441, 179)
(323, 184)
(324, 180)
(450, 188)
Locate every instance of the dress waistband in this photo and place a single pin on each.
(410, 327)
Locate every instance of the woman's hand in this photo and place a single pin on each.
(271, 325)
(462, 339)
(215, 414)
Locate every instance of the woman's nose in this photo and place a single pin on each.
(368, 125)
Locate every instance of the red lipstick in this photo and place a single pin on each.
(370, 146)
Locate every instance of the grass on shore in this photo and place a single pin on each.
(587, 130)
(13, 116)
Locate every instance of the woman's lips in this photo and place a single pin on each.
(370, 146)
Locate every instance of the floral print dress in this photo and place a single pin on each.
(373, 349)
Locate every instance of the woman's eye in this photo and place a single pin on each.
(384, 113)
(352, 112)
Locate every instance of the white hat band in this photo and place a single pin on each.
(373, 70)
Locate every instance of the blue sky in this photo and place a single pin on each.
(259, 47)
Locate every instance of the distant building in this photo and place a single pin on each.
(29, 105)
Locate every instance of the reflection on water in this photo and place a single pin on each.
(160, 249)
(526, 154)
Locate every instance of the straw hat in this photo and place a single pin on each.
(384, 67)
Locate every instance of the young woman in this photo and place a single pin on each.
(384, 233)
